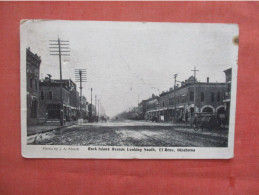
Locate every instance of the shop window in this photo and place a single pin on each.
(53, 111)
(202, 97)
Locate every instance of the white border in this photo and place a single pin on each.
(37, 151)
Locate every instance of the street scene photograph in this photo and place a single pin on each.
(134, 84)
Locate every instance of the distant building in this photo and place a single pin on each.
(84, 107)
(152, 106)
(92, 109)
(74, 100)
(142, 109)
(33, 62)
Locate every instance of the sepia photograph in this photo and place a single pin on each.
(152, 90)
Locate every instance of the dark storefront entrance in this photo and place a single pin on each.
(53, 111)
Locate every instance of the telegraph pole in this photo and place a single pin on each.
(80, 76)
(99, 107)
(91, 108)
(95, 105)
(57, 48)
(194, 93)
(194, 73)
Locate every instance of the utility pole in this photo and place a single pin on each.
(91, 107)
(57, 48)
(95, 105)
(194, 81)
(99, 107)
(80, 76)
(194, 73)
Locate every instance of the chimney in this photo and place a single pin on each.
(208, 79)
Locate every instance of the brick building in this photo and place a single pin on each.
(50, 102)
(180, 103)
(33, 62)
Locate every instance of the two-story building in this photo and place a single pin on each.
(180, 103)
(50, 99)
(33, 62)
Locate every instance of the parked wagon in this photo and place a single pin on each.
(207, 121)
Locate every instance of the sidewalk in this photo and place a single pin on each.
(32, 130)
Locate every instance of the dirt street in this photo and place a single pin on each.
(132, 133)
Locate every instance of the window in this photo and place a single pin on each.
(36, 85)
(171, 101)
(212, 96)
(31, 83)
(50, 95)
(218, 96)
(163, 103)
(202, 97)
(42, 95)
(192, 96)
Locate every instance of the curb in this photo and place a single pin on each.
(45, 131)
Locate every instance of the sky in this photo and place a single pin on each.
(127, 62)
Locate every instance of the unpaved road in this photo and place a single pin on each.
(131, 133)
